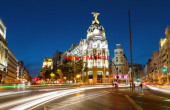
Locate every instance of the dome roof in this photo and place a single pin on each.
(95, 26)
(95, 30)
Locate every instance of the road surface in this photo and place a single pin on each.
(82, 98)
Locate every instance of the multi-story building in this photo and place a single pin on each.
(94, 51)
(56, 58)
(26, 76)
(154, 73)
(11, 71)
(164, 55)
(160, 60)
(145, 73)
(3, 52)
(137, 70)
(119, 64)
(47, 65)
(23, 74)
(11, 76)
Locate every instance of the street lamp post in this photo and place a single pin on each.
(132, 74)
(167, 77)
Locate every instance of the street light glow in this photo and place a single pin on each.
(78, 76)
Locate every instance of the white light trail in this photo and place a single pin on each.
(38, 100)
(159, 89)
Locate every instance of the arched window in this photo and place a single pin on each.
(90, 73)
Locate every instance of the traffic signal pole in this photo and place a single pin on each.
(132, 74)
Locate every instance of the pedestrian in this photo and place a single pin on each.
(116, 86)
(134, 85)
(130, 85)
(141, 85)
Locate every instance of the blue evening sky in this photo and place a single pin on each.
(37, 28)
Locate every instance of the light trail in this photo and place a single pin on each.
(76, 99)
(158, 89)
(38, 100)
(12, 93)
(27, 91)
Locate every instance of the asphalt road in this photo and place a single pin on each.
(82, 98)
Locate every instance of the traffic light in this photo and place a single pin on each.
(138, 79)
(164, 70)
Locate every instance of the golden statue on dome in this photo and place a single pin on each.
(95, 15)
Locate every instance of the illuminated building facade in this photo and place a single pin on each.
(22, 73)
(12, 75)
(56, 58)
(159, 60)
(3, 52)
(94, 52)
(119, 64)
(153, 67)
(47, 65)
(164, 54)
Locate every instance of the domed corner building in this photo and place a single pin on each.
(94, 52)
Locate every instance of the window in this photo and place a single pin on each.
(116, 59)
(121, 59)
(99, 73)
(99, 65)
(91, 64)
(90, 73)
(84, 73)
(99, 76)
(98, 45)
(107, 74)
(6, 53)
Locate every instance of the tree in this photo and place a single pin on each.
(67, 71)
(72, 67)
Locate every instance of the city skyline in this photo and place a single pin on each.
(59, 32)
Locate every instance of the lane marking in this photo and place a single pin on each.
(133, 103)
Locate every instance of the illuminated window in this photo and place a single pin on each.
(99, 73)
(99, 64)
(107, 74)
(99, 76)
(90, 73)
(84, 73)
(91, 65)
(98, 45)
